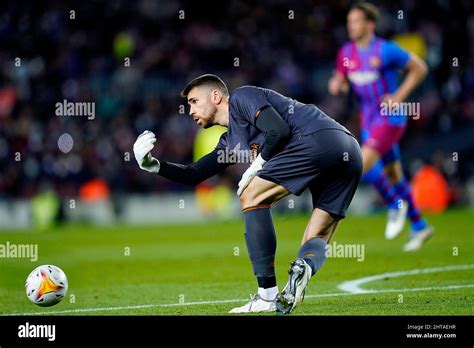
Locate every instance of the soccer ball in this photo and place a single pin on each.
(46, 285)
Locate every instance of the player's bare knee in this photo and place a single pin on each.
(248, 198)
(253, 195)
(244, 200)
(369, 158)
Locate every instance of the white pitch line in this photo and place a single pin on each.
(85, 310)
(354, 286)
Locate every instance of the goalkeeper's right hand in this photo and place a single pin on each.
(142, 147)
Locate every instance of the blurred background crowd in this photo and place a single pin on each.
(131, 58)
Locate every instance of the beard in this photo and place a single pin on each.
(210, 120)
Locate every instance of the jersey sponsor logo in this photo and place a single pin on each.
(363, 77)
(352, 64)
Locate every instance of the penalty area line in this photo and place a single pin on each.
(197, 303)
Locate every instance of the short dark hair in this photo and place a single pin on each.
(206, 79)
(370, 11)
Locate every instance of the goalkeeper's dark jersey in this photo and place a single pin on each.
(245, 105)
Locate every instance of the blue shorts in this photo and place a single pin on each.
(327, 162)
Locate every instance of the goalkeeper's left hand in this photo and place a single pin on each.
(250, 173)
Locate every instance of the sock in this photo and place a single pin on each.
(266, 282)
(377, 178)
(404, 191)
(261, 241)
(268, 294)
(313, 252)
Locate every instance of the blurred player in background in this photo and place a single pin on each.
(294, 146)
(370, 65)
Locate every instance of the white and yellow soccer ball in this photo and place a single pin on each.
(46, 285)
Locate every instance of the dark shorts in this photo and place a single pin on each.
(327, 162)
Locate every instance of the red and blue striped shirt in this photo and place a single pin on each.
(373, 72)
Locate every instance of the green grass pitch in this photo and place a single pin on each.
(203, 269)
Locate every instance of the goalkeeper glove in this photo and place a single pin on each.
(250, 173)
(142, 151)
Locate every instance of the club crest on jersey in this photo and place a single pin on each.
(254, 151)
(374, 62)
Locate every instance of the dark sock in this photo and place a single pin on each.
(314, 253)
(267, 282)
(261, 240)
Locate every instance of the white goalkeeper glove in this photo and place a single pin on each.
(250, 173)
(141, 149)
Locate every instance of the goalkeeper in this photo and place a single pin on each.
(293, 146)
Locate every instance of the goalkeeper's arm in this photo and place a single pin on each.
(191, 174)
(194, 173)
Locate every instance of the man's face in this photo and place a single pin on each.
(357, 25)
(201, 100)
